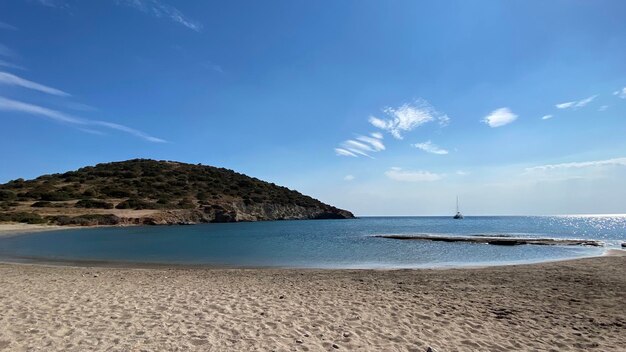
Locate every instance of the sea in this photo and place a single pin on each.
(327, 244)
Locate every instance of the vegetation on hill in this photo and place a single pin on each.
(206, 193)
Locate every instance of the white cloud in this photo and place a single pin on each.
(4, 25)
(377, 135)
(159, 9)
(129, 130)
(13, 80)
(213, 66)
(462, 173)
(10, 65)
(5, 51)
(79, 106)
(603, 108)
(569, 104)
(546, 117)
(351, 144)
(361, 145)
(500, 117)
(53, 3)
(343, 152)
(349, 178)
(621, 93)
(17, 106)
(579, 165)
(576, 103)
(375, 143)
(398, 174)
(407, 117)
(429, 147)
(14, 105)
(355, 148)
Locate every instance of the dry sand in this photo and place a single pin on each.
(564, 306)
(10, 229)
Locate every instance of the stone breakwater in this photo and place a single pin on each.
(499, 241)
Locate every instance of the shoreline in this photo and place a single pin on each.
(570, 305)
(71, 263)
(17, 229)
(12, 229)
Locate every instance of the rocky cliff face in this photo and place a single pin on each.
(237, 212)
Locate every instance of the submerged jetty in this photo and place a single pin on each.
(497, 240)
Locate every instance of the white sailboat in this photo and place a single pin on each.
(458, 213)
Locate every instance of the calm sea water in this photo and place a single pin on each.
(321, 243)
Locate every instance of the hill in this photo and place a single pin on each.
(143, 191)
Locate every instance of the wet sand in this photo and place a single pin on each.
(573, 305)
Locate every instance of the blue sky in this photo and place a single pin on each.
(380, 107)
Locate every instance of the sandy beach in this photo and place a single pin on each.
(11, 229)
(563, 306)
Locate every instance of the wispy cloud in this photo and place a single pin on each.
(129, 130)
(546, 117)
(213, 66)
(429, 147)
(4, 25)
(349, 178)
(83, 124)
(161, 10)
(53, 3)
(500, 117)
(18, 106)
(576, 103)
(79, 106)
(462, 173)
(579, 165)
(357, 148)
(374, 143)
(407, 117)
(343, 152)
(398, 174)
(361, 146)
(5, 51)
(620, 93)
(10, 65)
(603, 108)
(13, 80)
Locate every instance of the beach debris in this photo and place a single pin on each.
(430, 349)
(623, 244)
(335, 346)
(346, 334)
(299, 341)
(306, 334)
(281, 297)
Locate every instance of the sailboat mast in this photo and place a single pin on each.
(457, 204)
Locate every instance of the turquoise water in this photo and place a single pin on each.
(321, 243)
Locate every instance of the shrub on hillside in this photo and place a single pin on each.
(29, 218)
(6, 195)
(136, 204)
(95, 204)
(86, 220)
